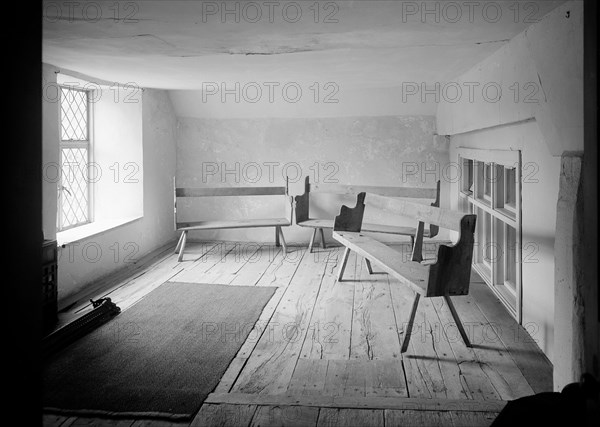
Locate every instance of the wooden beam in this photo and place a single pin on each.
(358, 402)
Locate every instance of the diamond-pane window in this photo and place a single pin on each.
(73, 114)
(74, 188)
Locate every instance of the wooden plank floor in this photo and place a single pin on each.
(328, 353)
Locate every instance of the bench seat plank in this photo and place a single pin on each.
(406, 271)
(241, 223)
(374, 228)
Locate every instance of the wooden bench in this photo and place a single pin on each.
(187, 226)
(447, 275)
(303, 218)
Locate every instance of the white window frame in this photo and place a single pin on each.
(501, 216)
(88, 144)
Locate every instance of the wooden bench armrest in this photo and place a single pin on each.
(433, 228)
(451, 273)
(350, 219)
(290, 201)
(302, 203)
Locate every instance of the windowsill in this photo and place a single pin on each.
(88, 230)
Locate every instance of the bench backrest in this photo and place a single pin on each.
(451, 273)
(230, 191)
(181, 192)
(444, 218)
(303, 201)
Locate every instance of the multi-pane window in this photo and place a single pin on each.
(74, 189)
(490, 187)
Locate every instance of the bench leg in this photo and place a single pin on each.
(369, 269)
(411, 321)
(182, 248)
(322, 238)
(179, 243)
(280, 233)
(312, 240)
(343, 265)
(459, 324)
(277, 236)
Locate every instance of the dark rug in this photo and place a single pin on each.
(159, 358)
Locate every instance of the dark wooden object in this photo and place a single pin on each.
(49, 285)
(104, 310)
(448, 274)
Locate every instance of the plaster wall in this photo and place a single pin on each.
(385, 150)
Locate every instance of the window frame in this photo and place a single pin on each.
(66, 144)
(497, 273)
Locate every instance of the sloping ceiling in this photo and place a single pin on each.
(361, 44)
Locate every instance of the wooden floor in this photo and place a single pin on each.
(328, 353)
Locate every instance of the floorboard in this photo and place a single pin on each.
(284, 416)
(436, 365)
(224, 415)
(522, 346)
(274, 358)
(505, 376)
(332, 315)
(257, 263)
(330, 417)
(474, 378)
(402, 300)
(374, 329)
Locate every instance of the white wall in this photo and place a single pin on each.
(384, 150)
(539, 74)
(118, 154)
(545, 62)
(299, 99)
(152, 121)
